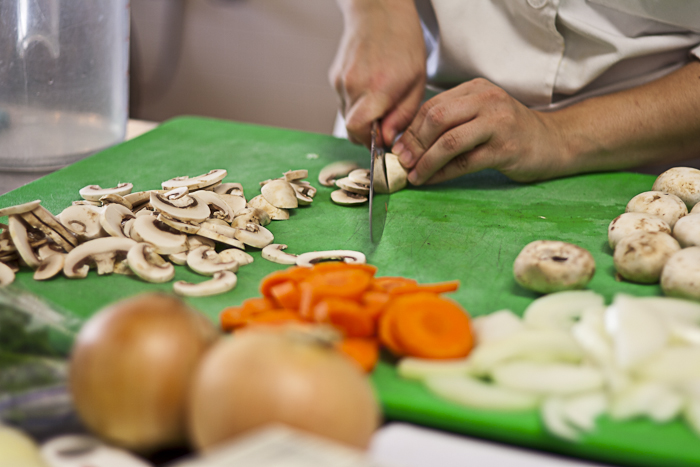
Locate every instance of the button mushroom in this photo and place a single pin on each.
(208, 179)
(335, 170)
(95, 192)
(49, 267)
(221, 282)
(315, 257)
(7, 275)
(667, 206)
(206, 261)
(631, 222)
(681, 274)
(20, 238)
(346, 198)
(190, 210)
(280, 194)
(274, 253)
(165, 241)
(149, 265)
(683, 182)
(113, 218)
(641, 256)
(234, 254)
(547, 266)
(255, 235)
(687, 231)
(397, 176)
(275, 213)
(83, 221)
(101, 252)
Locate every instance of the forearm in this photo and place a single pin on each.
(654, 123)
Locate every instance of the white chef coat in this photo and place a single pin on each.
(550, 53)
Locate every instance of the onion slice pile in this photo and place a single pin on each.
(574, 359)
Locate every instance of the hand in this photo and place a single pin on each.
(476, 126)
(379, 70)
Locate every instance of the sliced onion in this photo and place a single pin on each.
(421, 368)
(676, 309)
(672, 365)
(651, 399)
(547, 378)
(528, 344)
(582, 410)
(495, 326)
(562, 309)
(637, 330)
(552, 413)
(472, 392)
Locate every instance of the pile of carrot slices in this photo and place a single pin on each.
(407, 318)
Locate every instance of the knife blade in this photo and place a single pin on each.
(378, 186)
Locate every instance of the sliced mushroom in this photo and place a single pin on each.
(83, 221)
(178, 258)
(305, 188)
(348, 185)
(20, 208)
(166, 241)
(50, 266)
(36, 223)
(381, 184)
(139, 197)
(236, 203)
(7, 275)
(217, 205)
(293, 175)
(335, 170)
(194, 211)
(275, 254)
(315, 257)
(235, 189)
(211, 231)
(194, 241)
(101, 252)
(49, 249)
(149, 265)
(255, 235)
(206, 261)
(234, 254)
(95, 192)
(280, 194)
(276, 214)
(127, 227)
(345, 198)
(221, 282)
(113, 218)
(213, 177)
(397, 176)
(20, 238)
(360, 176)
(176, 193)
(116, 199)
(186, 227)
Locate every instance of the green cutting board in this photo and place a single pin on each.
(469, 229)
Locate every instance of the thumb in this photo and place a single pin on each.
(367, 108)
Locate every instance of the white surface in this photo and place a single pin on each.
(401, 445)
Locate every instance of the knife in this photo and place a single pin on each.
(378, 186)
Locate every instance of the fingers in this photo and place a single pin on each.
(469, 162)
(449, 155)
(398, 118)
(367, 108)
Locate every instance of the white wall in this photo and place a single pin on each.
(259, 61)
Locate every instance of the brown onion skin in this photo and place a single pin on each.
(131, 370)
(260, 376)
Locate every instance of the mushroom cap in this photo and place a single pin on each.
(348, 185)
(687, 231)
(149, 265)
(194, 211)
(641, 256)
(280, 194)
(681, 274)
(274, 253)
(547, 266)
(667, 206)
(346, 198)
(221, 282)
(683, 182)
(630, 222)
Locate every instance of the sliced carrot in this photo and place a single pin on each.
(430, 326)
(437, 288)
(342, 266)
(258, 304)
(286, 294)
(364, 352)
(386, 330)
(233, 317)
(346, 315)
(280, 316)
(374, 302)
(296, 274)
(344, 283)
(388, 283)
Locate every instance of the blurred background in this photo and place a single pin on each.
(258, 61)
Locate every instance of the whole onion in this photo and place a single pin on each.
(131, 369)
(262, 376)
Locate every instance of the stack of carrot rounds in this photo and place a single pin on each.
(407, 318)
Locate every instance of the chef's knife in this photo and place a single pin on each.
(378, 186)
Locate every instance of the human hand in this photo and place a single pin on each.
(379, 70)
(476, 126)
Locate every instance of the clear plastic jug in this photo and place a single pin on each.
(63, 80)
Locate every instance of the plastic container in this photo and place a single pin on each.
(63, 80)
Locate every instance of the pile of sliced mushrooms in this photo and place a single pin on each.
(657, 239)
(115, 230)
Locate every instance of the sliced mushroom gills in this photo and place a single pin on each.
(117, 231)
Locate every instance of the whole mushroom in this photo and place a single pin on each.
(547, 266)
(683, 182)
(681, 274)
(667, 206)
(641, 256)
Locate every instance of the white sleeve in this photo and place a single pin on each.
(681, 13)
